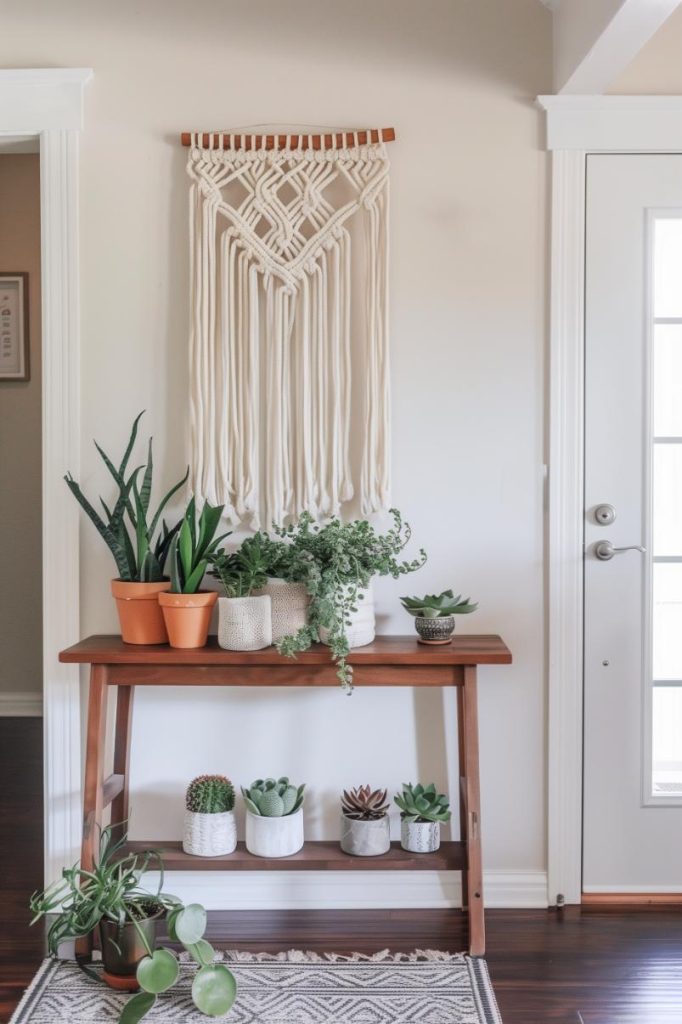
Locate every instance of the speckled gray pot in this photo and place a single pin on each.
(365, 838)
(435, 631)
(420, 836)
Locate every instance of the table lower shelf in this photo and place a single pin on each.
(322, 855)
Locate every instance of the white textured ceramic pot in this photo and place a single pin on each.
(290, 603)
(420, 836)
(362, 628)
(274, 837)
(209, 835)
(365, 838)
(244, 623)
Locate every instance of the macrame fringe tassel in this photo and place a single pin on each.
(271, 367)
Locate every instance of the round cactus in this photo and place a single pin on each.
(210, 794)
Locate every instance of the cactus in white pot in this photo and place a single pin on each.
(365, 828)
(274, 817)
(210, 829)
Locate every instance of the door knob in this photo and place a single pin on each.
(605, 550)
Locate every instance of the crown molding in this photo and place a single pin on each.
(42, 99)
(612, 124)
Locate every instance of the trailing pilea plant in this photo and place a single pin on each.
(83, 900)
(337, 561)
(138, 540)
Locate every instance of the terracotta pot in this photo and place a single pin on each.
(188, 617)
(139, 614)
(122, 950)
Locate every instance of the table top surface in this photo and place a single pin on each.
(385, 650)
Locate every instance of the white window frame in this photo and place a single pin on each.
(577, 126)
(48, 103)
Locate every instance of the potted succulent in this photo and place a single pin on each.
(210, 829)
(434, 615)
(422, 811)
(138, 541)
(274, 817)
(244, 614)
(110, 900)
(337, 563)
(186, 609)
(365, 827)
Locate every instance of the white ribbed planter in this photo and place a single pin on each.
(290, 603)
(274, 837)
(420, 836)
(365, 838)
(244, 623)
(362, 629)
(209, 835)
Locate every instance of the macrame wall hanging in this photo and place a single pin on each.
(289, 332)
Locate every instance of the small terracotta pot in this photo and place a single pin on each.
(139, 614)
(188, 617)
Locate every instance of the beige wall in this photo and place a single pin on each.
(657, 68)
(20, 437)
(458, 79)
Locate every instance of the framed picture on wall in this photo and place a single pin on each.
(14, 362)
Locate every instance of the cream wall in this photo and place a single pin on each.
(20, 449)
(657, 68)
(469, 255)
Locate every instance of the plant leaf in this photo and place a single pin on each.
(137, 1007)
(190, 924)
(213, 990)
(158, 972)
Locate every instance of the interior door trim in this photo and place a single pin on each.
(576, 127)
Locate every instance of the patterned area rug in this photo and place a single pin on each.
(290, 988)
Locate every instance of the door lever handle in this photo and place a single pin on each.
(605, 550)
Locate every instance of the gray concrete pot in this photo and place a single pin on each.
(365, 838)
(420, 836)
(435, 631)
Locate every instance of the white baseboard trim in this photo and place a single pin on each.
(21, 705)
(343, 890)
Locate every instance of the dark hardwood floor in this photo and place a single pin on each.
(547, 966)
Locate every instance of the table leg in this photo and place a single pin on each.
(462, 789)
(124, 716)
(94, 778)
(474, 883)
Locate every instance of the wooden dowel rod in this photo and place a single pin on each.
(328, 140)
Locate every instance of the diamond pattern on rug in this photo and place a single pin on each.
(292, 988)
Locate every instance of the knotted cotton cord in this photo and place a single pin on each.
(272, 373)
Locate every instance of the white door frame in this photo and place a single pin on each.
(49, 103)
(576, 127)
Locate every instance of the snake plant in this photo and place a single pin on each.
(139, 541)
(192, 550)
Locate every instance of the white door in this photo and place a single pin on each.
(633, 518)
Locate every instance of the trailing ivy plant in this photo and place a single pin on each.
(337, 561)
(111, 891)
(138, 540)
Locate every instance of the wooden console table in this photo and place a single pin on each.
(389, 661)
